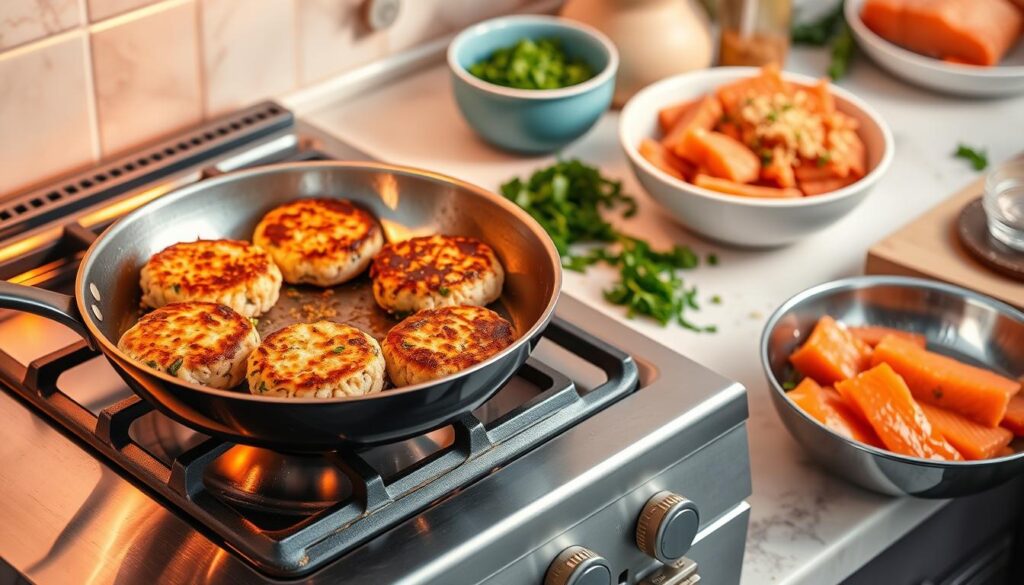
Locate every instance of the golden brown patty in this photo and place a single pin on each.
(316, 360)
(230, 272)
(436, 271)
(437, 342)
(320, 241)
(202, 343)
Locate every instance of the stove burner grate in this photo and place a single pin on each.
(289, 530)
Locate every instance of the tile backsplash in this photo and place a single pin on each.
(81, 80)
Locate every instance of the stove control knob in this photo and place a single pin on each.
(577, 565)
(667, 526)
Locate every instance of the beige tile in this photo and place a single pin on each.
(333, 37)
(44, 111)
(248, 51)
(101, 9)
(146, 72)
(22, 21)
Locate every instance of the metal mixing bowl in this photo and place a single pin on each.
(957, 322)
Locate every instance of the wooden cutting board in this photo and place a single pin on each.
(929, 247)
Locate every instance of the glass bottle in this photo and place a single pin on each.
(754, 32)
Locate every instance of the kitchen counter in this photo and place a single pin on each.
(806, 526)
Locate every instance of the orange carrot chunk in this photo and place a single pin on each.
(811, 188)
(734, 188)
(831, 353)
(661, 157)
(826, 406)
(778, 170)
(1014, 418)
(873, 335)
(769, 81)
(667, 117)
(1005, 451)
(972, 440)
(702, 116)
(978, 394)
(725, 157)
(900, 423)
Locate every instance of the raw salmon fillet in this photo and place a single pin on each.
(976, 32)
(1014, 418)
(831, 353)
(886, 401)
(972, 440)
(826, 406)
(873, 335)
(978, 394)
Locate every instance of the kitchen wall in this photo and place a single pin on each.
(82, 80)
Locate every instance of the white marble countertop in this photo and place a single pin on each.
(806, 527)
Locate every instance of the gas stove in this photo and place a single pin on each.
(601, 461)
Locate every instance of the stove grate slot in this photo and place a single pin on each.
(31, 209)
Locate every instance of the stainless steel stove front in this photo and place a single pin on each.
(68, 517)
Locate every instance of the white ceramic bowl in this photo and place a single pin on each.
(732, 219)
(1006, 78)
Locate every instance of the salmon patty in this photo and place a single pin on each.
(435, 271)
(316, 360)
(199, 342)
(320, 241)
(438, 342)
(229, 272)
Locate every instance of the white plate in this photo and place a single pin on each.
(1006, 78)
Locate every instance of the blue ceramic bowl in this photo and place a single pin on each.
(532, 120)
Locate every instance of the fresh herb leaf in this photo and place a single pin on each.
(152, 364)
(648, 284)
(566, 199)
(443, 291)
(716, 300)
(766, 156)
(339, 349)
(977, 157)
(824, 159)
(842, 51)
(177, 288)
(263, 387)
(173, 370)
(788, 385)
(818, 32)
(255, 322)
(832, 30)
(532, 64)
(772, 116)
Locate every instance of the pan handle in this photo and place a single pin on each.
(45, 303)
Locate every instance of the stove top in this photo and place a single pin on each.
(256, 515)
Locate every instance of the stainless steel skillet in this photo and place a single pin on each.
(408, 202)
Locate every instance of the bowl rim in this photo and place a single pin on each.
(858, 283)
(484, 27)
(893, 51)
(723, 74)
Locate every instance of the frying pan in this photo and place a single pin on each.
(408, 202)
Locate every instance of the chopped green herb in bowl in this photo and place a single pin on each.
(529, 64)
(532, 83)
